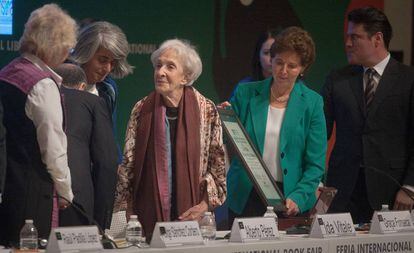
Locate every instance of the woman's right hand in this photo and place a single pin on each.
(63, 203)
(292, 208)
(223, 105)
(195, 212)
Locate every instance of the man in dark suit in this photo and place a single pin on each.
(92, 151)
(371, 101)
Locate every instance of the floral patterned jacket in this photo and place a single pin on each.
(212, 156)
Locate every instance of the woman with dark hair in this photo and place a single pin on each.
(261, 62)
(285, 121)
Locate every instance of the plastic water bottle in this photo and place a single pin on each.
(385, 208)
(208, 227)
(28, 236)
(133, 231)
(271, 213)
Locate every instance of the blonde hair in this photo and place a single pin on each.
(187, 55)
(48, 33)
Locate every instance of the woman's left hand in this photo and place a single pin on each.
(292, 207)
(195, 212)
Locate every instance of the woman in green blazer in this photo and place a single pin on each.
(285, 121)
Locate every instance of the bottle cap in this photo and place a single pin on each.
(384, 206)
(270, 208)
(29, 221)
(133, 216)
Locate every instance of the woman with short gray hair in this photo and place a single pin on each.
(190, 60)
(173, 164)
(102, 51)
(108, 36)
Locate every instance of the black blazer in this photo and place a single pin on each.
(377, 138)
(92, 155)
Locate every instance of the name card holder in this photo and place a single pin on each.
(412, 216)
(391, 222)
(78, 239)
(178, 233)
(254, 229)
(332, 225)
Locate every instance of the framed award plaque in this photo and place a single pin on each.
(252, 161)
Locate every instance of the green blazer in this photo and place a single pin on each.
(302, 142)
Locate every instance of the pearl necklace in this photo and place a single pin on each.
(280, 99)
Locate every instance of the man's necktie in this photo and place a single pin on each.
(370, 86)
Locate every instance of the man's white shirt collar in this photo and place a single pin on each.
(380, 67)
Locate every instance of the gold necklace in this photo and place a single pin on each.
(280, 99)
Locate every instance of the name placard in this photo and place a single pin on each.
(254, 229)
(79, 238)
(330, 225)
(391, 222)
(412, 216)
(167, 234)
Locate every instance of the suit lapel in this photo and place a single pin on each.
(259, 106)
(293, 114)
(385, 86)
(356, 84)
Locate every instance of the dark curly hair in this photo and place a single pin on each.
(297, 40)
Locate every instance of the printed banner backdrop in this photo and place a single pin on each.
(224, 32)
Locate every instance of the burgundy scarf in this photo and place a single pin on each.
(151, 196)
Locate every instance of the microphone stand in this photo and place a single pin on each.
(107, 243)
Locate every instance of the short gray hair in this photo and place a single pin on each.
(48, 33)
(187, 55)
(106, 35)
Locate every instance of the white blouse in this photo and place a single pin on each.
(43, 106)
(271, 151)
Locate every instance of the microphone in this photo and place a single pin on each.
(409, 193)
(107, 242)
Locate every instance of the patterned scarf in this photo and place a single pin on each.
(151, 196)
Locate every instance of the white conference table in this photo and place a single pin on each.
(361, 243)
